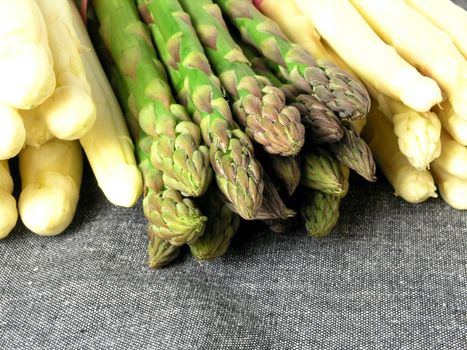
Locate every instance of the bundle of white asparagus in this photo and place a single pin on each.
(55, 96)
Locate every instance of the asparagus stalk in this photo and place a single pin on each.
(238, 174)
(453, 159)
(272, 207)
(177, 149)
(421, 43)
(172, 217)
(107, 144)
(409, 183)
(287, 170)
(221, 226)
(325, 81)
(260, 108)
(12, 132)
(321, 123)
(37, 132)
(161, 253)
(8, 210)
(447, 16)
(353, 152)
(322, 171)
(452, 189)
(320, 211)
(451, 122)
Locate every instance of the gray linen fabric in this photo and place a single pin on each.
(391, 276)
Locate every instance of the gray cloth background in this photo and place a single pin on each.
(391, 276)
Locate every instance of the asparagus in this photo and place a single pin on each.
(221, 227)
(172, 217)
(322, 171)
(320, 211)
(176, 149)
(238, 174)
(161, 253)
(354, 152)
(324, 80)
(287, 170)
(321, 123)
(273, 207)
(260, 108)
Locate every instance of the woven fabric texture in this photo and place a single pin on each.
(390, 276)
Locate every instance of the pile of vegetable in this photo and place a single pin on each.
(222, 110)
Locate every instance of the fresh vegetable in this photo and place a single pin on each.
(221, 226)
(418, 134)
(107, 144)
(8, 211)
(161, 253)
(172, 216)
(453, 159)
(329, 84)
(12, 132)
(238, 174)
(433, 53)
(26, 65)
(368, 56)
(272, 207)
(176, 150)
(259, 107)
(452, 123)
(412, 185)
(447, 16)
(70, 112)
(37, 132)
(320, 211)
(452, 189)
(353, 152)
(322, 171)
(287, 170)
(50, 179)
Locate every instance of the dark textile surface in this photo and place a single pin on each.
(390, 276)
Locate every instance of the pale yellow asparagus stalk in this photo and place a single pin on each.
(37, 132)
(411, 184)
(453, 159)
(299, 29)
(108, 145)
(26, 65)
(452, 189)
(418, 134)
(340, 24)
(8, 210)
(12, 132)
(452, 123)
(421, 43)
(447, 16)
(50, 179)
(70, 112)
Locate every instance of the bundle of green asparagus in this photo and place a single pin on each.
(266, 122)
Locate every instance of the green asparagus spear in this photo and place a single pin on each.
(161, 253)
(322, 79)
(354, 152)
(221, 227)
(322, 125)
(238, 174)
(320, 211)
(322, 171)
(177, 149)
(172, 217)
(260, 108)
(287, 170)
